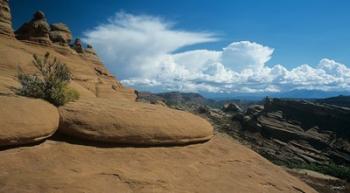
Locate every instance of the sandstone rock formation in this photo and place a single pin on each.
(60, 34)
(300, 131)
(92, 80)
(37, 30)
(25, 120)
(232, 107)
(5, 18)
(90, 50)
(220, 165)
(78, 46)
(86, 79)
(128, 123)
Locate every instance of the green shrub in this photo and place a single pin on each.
(332, 169)
(51, 83)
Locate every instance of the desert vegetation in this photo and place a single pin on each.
(332, 169)
(50, 83)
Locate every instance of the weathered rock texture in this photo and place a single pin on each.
(5, 18)
(25, 120)
(131, 123)
(37, 30)
(60, 34)
(299, 131)
(220, 165)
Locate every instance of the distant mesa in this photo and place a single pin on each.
(5, 19)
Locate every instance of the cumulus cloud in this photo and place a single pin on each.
(139, 44)
(246, 55)
(140, 51)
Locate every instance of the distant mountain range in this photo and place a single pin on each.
(339, 101)
(217, 101)
(294, 94)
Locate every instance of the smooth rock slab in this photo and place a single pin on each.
(125, 122)
(25, 120)
(218, 166)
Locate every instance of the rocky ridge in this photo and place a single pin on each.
(299, 131)
(343, 101)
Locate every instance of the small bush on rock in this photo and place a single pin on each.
(51, 83)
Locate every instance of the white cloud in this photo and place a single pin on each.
(245, 55)
(140, 51)
(137, 44)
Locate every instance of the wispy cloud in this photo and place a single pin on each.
(140, 51)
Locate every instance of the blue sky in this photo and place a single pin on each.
(298, 31)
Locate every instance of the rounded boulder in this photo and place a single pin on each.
(134, 123)
(26, 120)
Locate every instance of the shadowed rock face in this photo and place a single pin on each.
(37, 30)
(60, 34)
(309, 115)
(5, 18)
(299, 131)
